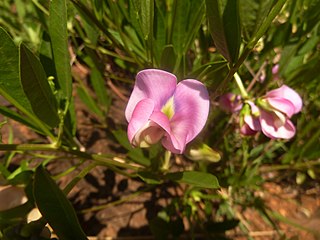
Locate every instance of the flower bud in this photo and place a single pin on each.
(202, 152)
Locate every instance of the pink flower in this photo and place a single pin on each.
(249, 123)
(272, 116)
(279, 106)
(159, 109)
(230, 102)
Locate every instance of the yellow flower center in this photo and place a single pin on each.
(168, 108)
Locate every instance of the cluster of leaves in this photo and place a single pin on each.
(209, 40)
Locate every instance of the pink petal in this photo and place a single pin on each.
(252, 122)
(254, 109)
(246, 130)
(169, 141)
(140, 117)
(283, 105)
(230, 102)
(191, 107)
(150, 134)
(155, 84)
(269, 126)
(289, 94)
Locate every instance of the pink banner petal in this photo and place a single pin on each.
(287, 93)
(283, 105)
(155, 84)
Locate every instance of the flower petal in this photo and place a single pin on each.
(283, 105)
(169, 141)
(140, 117)
(150, 134)
(252, 122)
(191, 108)
(155, 84)
(230, 102)
(246, 130)
(287, 93)
(269, 126)
(254, 109)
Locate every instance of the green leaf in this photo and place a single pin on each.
(59, 40)
(46, 57)
(252, 14)
(224, 26)
(55, 207)
(36, 87)
(197, 179)
(100, 89)
(17, 117)
(15, 215)
(135, 154)
(187, 19)
(89, 101)
(149, 177)
(146, 18)
(10, 85)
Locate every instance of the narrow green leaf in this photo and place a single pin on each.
(10, 85)
(55, 207)
(135, 154)
(180, 22)
(224, 26)
(89, 101)
(15, 215)
(146, 18)
(149, 177)
(46, 57)
(19, 118)
(36, 87)
(252, 14)
(98, 84)
(197, 179)
(231, 24)
(59, 40)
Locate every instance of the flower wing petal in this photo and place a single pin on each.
(169, 141)
(269, 128)
(287, 93)
(155, 84)
(140, 117)
(191, 109)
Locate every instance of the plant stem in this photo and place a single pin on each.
(80, 176)
(104, 160)
(297, 166)
(117, 202)
(242, 89)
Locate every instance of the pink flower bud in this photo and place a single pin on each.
(230, 102)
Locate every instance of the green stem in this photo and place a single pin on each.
(117, 202)
(80, 176)
(297, 166)
(166, 161)
(107, 161)
(242, 89)
(28, 147)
